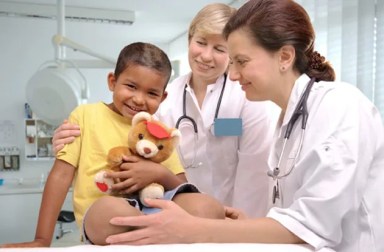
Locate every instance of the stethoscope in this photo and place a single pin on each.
(185, 117)
(300, 110)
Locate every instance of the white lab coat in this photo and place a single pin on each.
(232, 169)
(333, 196)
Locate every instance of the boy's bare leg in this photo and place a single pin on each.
(96, 221)
(201, 205)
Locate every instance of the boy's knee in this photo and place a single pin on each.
(201, 205)
(212, 208)
(96, 221)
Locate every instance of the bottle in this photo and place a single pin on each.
(15, 158)
(28, 111)
(7, 158)
(1, 158)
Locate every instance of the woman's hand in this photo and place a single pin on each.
(64, 134)
(135, 173)
(171, 225)
(234, 214)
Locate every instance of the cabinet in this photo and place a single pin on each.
(9, 158)
(19, 213)
(38, 139)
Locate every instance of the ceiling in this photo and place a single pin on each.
(159, 22)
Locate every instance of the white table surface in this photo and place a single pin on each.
(196, 247)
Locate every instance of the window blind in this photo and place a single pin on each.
(350, 34)
(379, 57)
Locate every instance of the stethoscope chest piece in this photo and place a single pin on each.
(275, 192)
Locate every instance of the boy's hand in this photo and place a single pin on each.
(32, 244)
(135, 174)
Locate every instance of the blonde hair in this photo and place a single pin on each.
(211, 19)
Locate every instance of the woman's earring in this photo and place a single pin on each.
(282, 68)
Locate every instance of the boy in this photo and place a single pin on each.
(138, 84)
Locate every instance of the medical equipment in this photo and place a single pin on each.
(185, 117)
(59, 86)
(300, 110)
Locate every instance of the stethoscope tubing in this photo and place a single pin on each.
(184, 116)
(300, 110)
(275, 173)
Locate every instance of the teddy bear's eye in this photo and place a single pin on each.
(160, 147)
(141, 136)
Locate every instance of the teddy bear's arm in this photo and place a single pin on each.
(115, 155)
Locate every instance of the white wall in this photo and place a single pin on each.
(25, 45)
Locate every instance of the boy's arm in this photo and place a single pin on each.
(174, 165)
(55, 190)
(136, 173)
(182, 177)
(170, 180)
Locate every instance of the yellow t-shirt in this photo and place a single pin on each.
(101, 129)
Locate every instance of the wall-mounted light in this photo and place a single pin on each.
(55, 90)
(59, 86)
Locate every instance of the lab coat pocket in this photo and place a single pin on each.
(292, 155)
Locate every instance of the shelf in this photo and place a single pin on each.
(38, 140)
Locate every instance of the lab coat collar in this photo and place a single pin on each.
(210, 88)
(187, 81)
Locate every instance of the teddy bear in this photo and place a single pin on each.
(147, 138)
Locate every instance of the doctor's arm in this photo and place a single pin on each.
(161, 228)
(333, 170)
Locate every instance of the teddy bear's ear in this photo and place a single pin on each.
(141, 116)
(176, 136)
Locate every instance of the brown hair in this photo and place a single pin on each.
(144, 54)
(275, 23)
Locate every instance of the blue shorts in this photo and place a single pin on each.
(168, 195)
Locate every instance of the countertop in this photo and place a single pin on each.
(21, 189)
(22, 186)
